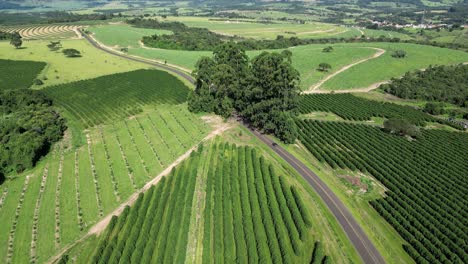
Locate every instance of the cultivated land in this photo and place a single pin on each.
(44, 31)
(18, 74)
(81, 185)
(61, 69)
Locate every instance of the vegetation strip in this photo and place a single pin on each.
(95, 177)
(33, 255)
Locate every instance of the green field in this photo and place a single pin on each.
(123, 35)
(61, 69)
(84, 184)
(108, 98)
(386, 67)
(18, 74)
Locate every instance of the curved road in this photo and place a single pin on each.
(365, 248)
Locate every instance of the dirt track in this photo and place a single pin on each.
(315, 87)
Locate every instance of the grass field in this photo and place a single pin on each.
(61, 69)
(108, 98)
(18, 74)
(84, 184)
(386, 67)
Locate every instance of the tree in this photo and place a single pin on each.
(399, 54)
(16, 42)
(71, 53)
(54, 45)
(434, 109)
(401, 127)
(324, 67)
(263, 91)
(328, 49)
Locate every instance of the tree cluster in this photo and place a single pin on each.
(440, 83)
(401, 127)
(264, 91)
(15, 39)
(28, 127)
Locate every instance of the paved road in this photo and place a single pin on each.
(358, 238)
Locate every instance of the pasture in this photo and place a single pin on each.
(19, 74)
(112, 97)
(386, 67)
(54, 204)
(61, 69)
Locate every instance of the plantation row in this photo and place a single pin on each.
(18, 74)
(251, 214)
(73, 188)
(112, 97)
(350, 107)
(155, 229)
(426, 181)
(41, 31)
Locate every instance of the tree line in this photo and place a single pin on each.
(28, 127)
(201, 39)
(263, 91)
(437, 83)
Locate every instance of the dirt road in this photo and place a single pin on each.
(379, 53)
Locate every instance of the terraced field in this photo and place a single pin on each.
(49, 207)
(30, 32)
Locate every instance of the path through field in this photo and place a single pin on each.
(315, 87)
(101, 225)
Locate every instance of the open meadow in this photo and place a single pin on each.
(91, 64)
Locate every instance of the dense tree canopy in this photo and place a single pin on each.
(28, 127)
(441, 83)
(264, 91)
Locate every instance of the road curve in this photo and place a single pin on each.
(365, 248)
(165, 67)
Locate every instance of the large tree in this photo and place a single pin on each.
(264, 91)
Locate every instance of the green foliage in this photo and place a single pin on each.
(264, 91)
(399, 54)
(29, 125)
(402, 127)
(434, 108)
(351, 107)
(54, 45)
(71, 53)
(327, 49)
(424, 180)
(250, 213)
(324, 67)
(157, 223)
(18, 74)
(16, 41)
(438, 83)
(107, 98)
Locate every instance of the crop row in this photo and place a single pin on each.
(426, 197)
(251, 215)
(156, 224)
(108, 98)
(351, 107)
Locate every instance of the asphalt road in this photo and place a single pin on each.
(365, 248)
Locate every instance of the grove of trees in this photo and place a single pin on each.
(264, 91)
(28, 127)
(436, 83)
